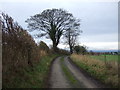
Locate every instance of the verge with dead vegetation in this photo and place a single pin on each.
(98, 69)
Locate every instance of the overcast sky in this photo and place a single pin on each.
(99, 18)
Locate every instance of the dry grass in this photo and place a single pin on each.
(107, 71)
(43, 53)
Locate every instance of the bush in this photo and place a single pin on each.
(18, 49)
(80, 49)
(43, 46)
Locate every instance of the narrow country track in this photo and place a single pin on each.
(58, 78)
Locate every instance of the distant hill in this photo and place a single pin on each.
(104, 50)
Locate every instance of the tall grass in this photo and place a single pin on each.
(98, 69)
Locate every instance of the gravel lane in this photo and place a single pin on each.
(57, 78)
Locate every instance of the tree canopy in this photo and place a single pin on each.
(51, 23)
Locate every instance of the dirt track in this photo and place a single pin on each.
(59, 80)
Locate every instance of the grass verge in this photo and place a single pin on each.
(97, 69)
(68, 74)
(33, 77)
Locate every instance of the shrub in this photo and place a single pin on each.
(44, 49)
(80, 49)
(19, 50)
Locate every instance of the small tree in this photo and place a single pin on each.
(72, 33)
(80, 49)
(77, 49)
(52, 23)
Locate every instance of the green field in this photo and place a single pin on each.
(105, 57)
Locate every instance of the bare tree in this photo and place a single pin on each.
(52, 23)
(72, 34)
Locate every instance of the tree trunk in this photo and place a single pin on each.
(69, 41)
(55, 47)
(71, 49)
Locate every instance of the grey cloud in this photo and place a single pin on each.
(99, 20)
